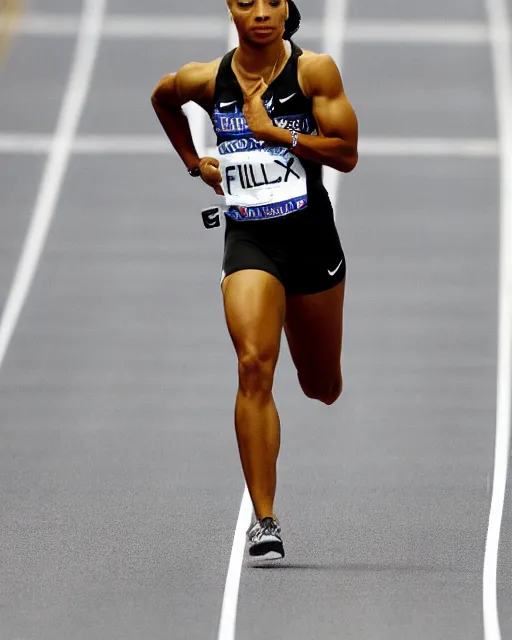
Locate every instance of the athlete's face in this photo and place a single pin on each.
(259, 20)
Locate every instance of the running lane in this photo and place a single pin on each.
(118, 469)
(384, 497)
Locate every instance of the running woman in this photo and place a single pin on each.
(279, 113)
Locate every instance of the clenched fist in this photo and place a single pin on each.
(210, 173)
(256, 116)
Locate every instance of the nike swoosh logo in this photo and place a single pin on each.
(282, 100)
(226, 104)
(332, 273)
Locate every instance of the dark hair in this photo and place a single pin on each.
(291, 26)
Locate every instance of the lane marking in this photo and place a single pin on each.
(419, 32)
(49, 24)
(435, 147)
(368, 146)
(501, 43)
(197, 122)
(55, 168)
(227, 625)
(214, 28)
(232, 36)
(24, 143)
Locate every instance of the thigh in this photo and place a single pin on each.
(254, 306)
(314, 330)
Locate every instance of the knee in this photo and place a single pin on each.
(256, 372)
(326, 391)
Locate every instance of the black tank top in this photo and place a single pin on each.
(263, 180)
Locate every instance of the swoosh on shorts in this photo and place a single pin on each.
(332, 273)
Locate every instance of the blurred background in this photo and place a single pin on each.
(120, 482)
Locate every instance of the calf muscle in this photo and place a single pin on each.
(254, 304)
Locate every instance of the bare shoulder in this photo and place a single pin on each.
(196, 80)
(319, 74)
(193, 82)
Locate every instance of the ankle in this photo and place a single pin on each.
(265, 513)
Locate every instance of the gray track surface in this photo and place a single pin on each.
(119, 475)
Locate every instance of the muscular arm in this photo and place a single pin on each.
(173, 91)
(189, 84)
(336, 143)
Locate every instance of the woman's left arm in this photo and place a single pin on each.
(336, 143)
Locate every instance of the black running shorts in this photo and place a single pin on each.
(302, 250)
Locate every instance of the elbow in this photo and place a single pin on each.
(156, 95)
(350, 162)
(160, 101)
(355, 160)
(163, 95)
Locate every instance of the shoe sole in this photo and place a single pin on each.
(267, 550)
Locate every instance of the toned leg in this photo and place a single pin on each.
(314, 329)
(254, 305)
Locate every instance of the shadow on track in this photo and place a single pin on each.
(304, 566)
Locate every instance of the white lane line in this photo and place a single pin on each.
(24, 143)
(177, 27)
(58, 159)
(214, 28)
(197, 118)
(49, 24)
(232, 37)
(416, 32)
(197, 121)
(368, 146)
(334, 32)
(433, 147)
(227, 625)
(501, 43)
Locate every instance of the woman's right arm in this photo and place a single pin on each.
(168, 97)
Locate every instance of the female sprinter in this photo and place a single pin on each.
(279, 113)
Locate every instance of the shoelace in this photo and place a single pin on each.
(270, 528)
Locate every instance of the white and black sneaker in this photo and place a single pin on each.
(265, 541)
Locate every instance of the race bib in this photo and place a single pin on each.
(263, 183)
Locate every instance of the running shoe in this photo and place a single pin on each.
(265, 541)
